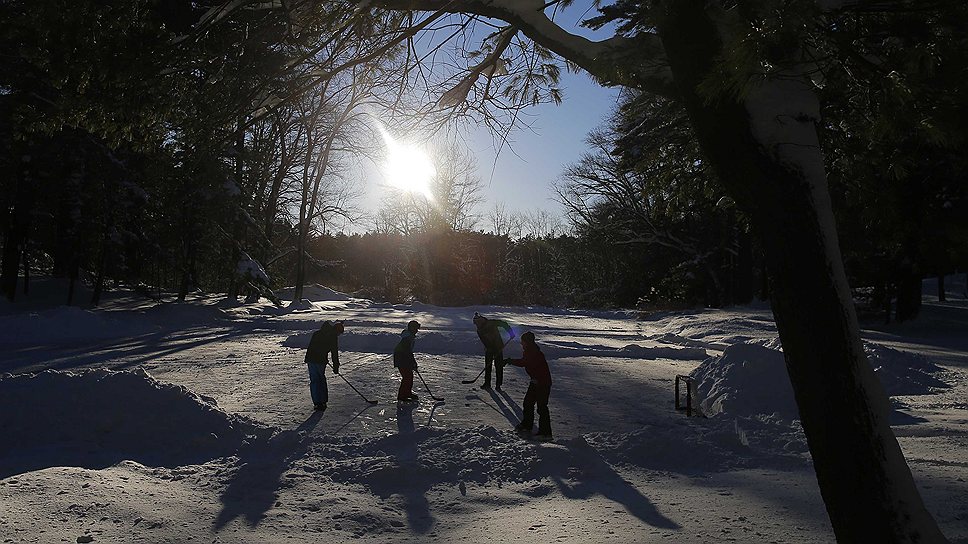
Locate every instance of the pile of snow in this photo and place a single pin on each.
(65, 418)
(903, 373)
(66, 324)
(559, 350)
(713, 328)
(180, 314)
(750, 378)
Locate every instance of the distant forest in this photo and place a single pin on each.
(157, 154)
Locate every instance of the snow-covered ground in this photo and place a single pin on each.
(144, 422)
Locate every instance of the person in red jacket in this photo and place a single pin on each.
(538, 391)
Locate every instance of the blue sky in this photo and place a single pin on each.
(523, 174)
(523, 179)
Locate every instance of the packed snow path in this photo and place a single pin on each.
(263, 467)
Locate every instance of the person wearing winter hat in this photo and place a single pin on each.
(323, 345)
(539, 390)
(405, 362)
(488, 330)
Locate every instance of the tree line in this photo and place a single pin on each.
(178, 160)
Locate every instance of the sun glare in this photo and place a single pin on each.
(408, 167)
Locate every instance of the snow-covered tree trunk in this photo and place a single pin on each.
(765, 150)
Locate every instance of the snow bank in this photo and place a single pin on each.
(557, 350)
(903, 373)
(750, 378)
(66, 324)
(46, 293)
(314, 293)
(712, 328)
(56, 418)
(180, 314)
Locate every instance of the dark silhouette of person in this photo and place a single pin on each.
(324, 343)
(489, 331)
(405, 362)
(539, 390)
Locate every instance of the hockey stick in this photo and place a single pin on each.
(354, 389)
(427, 386)
(465, 382)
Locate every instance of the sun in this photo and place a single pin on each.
(408, 167)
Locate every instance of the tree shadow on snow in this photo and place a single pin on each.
(579, 472)
(136, 350)
(254, 486)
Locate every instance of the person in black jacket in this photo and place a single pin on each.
(405, 362)
(325, 343)
(488, 330)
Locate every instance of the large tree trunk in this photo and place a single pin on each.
(26, 261)
(866, 485)
(18, 228)
(297, 293)
(908, 293)
(743, 270)
(238, 221)
(102, 262)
